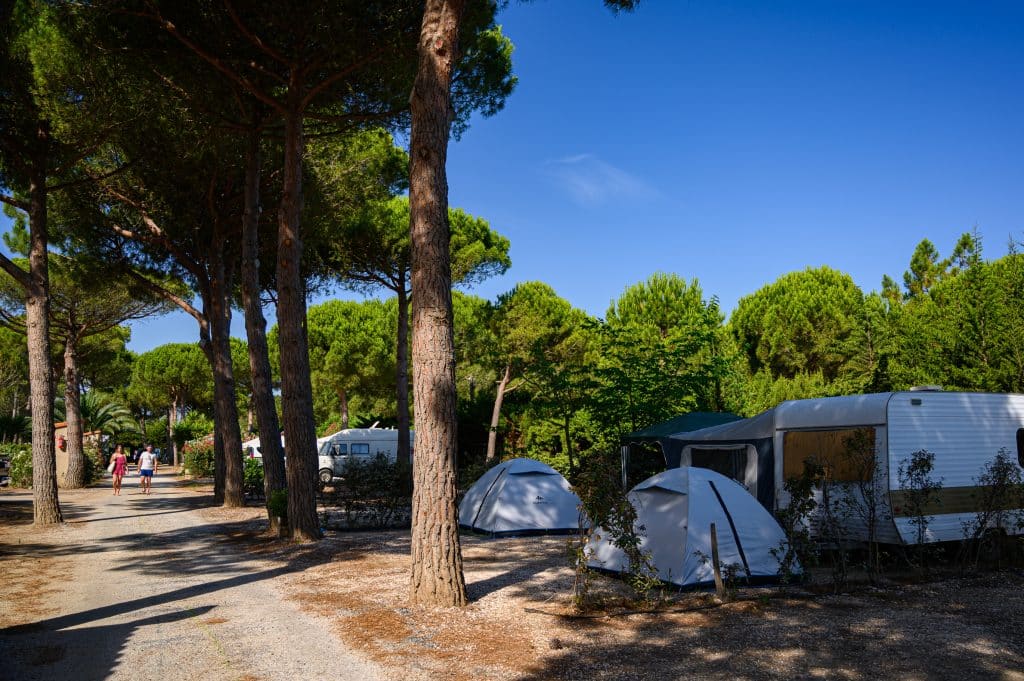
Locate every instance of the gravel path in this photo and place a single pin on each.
(147, 588)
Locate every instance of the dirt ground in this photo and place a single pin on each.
(518, 625)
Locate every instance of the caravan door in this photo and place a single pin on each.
(738, 462)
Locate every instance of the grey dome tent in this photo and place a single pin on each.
(519, 497)
(676, 509)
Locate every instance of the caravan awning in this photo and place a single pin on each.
(681, 424)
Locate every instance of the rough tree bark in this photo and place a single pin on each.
(224, 379)
(437, 576)
(74, 478)
(46, 507)
(256, 333)
(296, 389)
(404, 454)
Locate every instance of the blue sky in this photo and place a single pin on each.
(733, 142)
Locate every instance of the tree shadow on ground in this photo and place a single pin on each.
(42, 651)
(951, 632)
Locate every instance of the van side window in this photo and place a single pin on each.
(360, 449)
(848, 454)
(1020, 446)
(339, 449)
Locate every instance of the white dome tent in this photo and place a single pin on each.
(520, 497)
(676, 509)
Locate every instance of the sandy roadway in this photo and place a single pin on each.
(143, 587)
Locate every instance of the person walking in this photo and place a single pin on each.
(148, 465)
(120, 467)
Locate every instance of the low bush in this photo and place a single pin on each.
(374, 494)
(198, 459)
(252, 477)
(21, 463)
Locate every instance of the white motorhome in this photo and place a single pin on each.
(355, 444)
(963, 430)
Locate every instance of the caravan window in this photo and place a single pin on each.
(732, 463)
(847, 454)
(360, 449)
(339, 449)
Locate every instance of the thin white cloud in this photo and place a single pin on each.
(591, 181)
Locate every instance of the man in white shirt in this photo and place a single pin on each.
(148, 466)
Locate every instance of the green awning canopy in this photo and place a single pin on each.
(681, 424)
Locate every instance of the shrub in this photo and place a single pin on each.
(198, 459)
(920, 494)
(21, 463)
(999, 501)
(604, 502)
(376, 493)
(252, 474)
(193, 426)
(278, 504)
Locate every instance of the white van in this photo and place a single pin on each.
(356, 444)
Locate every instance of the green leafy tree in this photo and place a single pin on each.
(351, 349)
(661, 354)
(171, 377)
(374, 252)
(86, 300)
(807, 323)
(528, 321)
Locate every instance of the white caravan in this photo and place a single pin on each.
(963, 430)
(355, 444)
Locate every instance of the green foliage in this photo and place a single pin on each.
(805, 322)
(21, 463)
(252, 477)
(176, 373)
(661, 354)
(605, 504)
(197, 459)
(352, 355)
(156, 430)
(101, 412)
(376, 493)
(795, 518)
(278, 504)
(15, 428)
(920, 493)
(999, 500)
(194, 426)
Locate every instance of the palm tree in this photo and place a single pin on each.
(15, 428)
(101, 412)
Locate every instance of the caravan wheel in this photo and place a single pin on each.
(326, 476)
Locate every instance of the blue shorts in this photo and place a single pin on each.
(146, 473)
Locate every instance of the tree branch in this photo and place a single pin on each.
(218, 64)
(13, 202)
(253, 38)
(19, 275)
(158, 290)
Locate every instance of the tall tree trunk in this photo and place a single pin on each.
(45, 506)
(437, 577)
(256, 333)
(343, 405)
(402, 374)
(224, 379)
(296, 389)
(172, 418)
(499, 397)
(74, 478)
(218, 458)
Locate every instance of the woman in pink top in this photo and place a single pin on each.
(120, 467)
